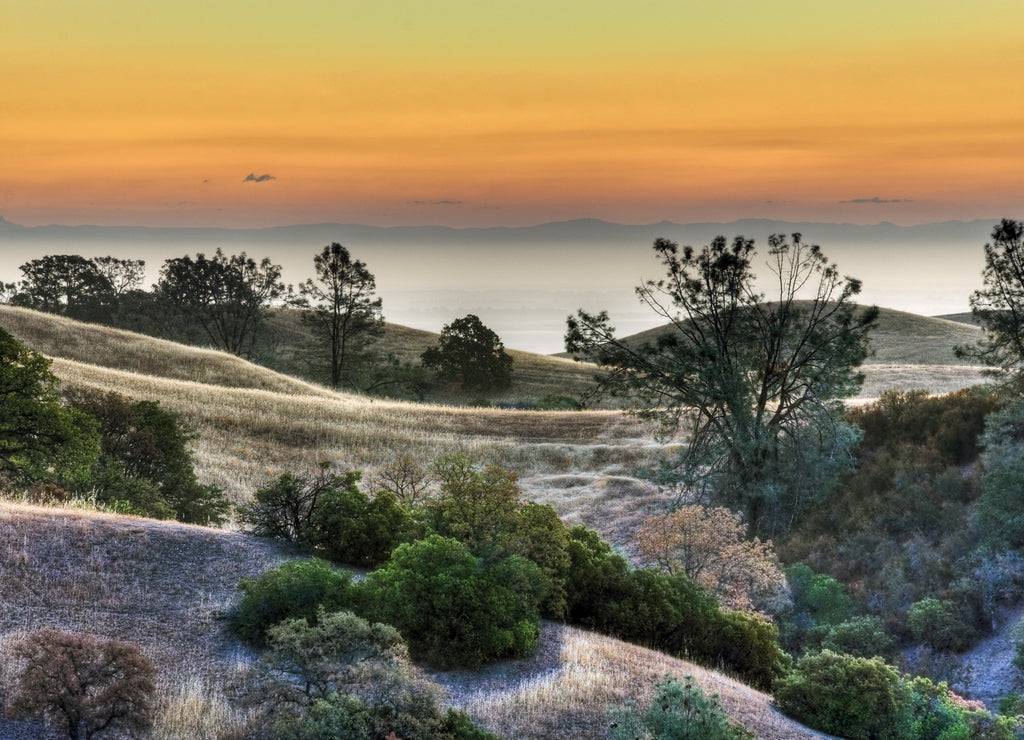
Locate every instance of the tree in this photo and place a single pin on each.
(39, 437)
(999, 306)
(472, 355)
(677, 711)
(754, 383)
(227, 297)
(709, 546)
(145, 451)
(124, 276)
(341, 308)
(67, 284)
(86, 686)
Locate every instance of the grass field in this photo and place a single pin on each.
(165, 586)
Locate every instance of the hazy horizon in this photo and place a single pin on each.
(524, 282)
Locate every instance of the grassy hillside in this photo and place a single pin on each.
(908, 351)
(253, 423)
(166, 586)
(534, 375)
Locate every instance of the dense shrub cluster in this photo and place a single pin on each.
(145, 465)
(344, 677)
(866, 699)
(913, 523)
(488, 566)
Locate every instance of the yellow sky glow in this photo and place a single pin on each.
(127, 112)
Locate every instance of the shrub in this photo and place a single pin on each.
(452, 607)
(349, 527)
(856, 698)
(553, 402)
(864, 637)
(678, 711)
(343, 677)
(82, 685)
(145, 460)
(296, 589)
(937, 624)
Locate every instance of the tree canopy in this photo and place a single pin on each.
(472, 355)
(39, 437)
(999, 305)
(753, 382)
(226, 296)
(341, 308)
(67, 284)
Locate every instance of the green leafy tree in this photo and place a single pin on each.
(341, 309)
(999, 305)
(67, 284)
(755, 383)
(146, 461)
(453, 608)
(999, 513)
(227, 297)
(471, 355)
(82, 685)
(40, 437)
(285, 508)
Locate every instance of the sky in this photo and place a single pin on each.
(477, 113)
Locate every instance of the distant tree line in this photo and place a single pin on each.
(227, 302)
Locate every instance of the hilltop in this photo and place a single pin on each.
(907, 351)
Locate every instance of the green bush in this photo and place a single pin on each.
(553, 402)
(295, 590)
(350, 527)
(284, 508)
(856, 698)
(145, 461)
(937, 624)
(452, 607)
(864, 637)
(678, 711)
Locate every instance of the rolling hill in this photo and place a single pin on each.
(165, 585)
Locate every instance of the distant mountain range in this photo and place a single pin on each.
(579, 231)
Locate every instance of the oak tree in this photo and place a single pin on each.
(754, 383)
(227, 297)
(472, 355)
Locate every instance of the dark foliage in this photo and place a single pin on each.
(295, 590)
(146, 462)
(227, 297)
(84, 686)
(39, 437)
(470, 354)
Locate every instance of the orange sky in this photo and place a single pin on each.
(460, 113)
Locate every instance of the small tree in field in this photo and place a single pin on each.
(87, 687)
(472, 355)
(341, 308)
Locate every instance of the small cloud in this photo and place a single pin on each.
(876, 199)
(253, 177)
(205, 180)
(434, 203)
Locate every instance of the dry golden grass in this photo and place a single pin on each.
(165, 587)
(567, 687)
(56, 336)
